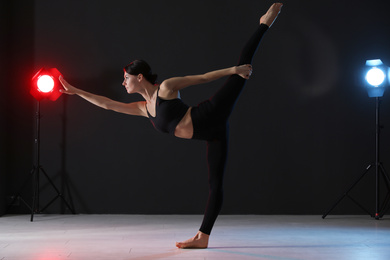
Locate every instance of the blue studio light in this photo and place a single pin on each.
(377, 77)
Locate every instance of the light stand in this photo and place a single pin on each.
(52, 93)
(35, 175)
(37, 168)
(380, 210)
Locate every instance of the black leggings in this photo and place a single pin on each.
(210, 121)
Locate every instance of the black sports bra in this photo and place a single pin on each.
(169, 112)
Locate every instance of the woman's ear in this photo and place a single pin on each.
(140, 77)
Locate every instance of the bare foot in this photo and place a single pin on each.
(200, 240)
(271, 15)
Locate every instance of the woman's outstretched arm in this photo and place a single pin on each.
(135, 108)
(171, 86)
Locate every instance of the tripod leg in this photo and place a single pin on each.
(48, 204)
(348, 190)
(67, 204)
(360, 206)
(17, 196)
(385, 206)
(58, 194)
(385, 176)
(36, 193)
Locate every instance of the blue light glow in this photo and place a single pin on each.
(375, 77)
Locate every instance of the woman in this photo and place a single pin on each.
(208, 121)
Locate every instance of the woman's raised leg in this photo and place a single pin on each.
(226, 97)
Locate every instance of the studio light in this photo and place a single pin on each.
(376, 77)
(45, 84)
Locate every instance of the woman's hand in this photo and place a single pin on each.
(68, 89)
(245, 71)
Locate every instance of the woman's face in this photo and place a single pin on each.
(129, 82)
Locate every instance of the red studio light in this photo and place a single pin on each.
(45, 84)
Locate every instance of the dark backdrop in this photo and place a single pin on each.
(302, 131)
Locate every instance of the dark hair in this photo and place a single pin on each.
(141, 67)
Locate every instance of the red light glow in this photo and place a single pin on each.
(45, 83)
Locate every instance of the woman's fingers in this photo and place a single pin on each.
(63, 81)
(67, 88)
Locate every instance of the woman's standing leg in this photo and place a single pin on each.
(216, 161)
(217, 148)
(217, 151)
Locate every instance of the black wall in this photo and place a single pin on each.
(16, 105)
(301, 132)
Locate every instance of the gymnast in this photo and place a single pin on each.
(208, 121)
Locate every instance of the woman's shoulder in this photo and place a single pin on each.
(166, 92)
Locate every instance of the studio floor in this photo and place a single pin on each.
(108, 237)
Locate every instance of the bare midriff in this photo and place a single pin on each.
(184, 128)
